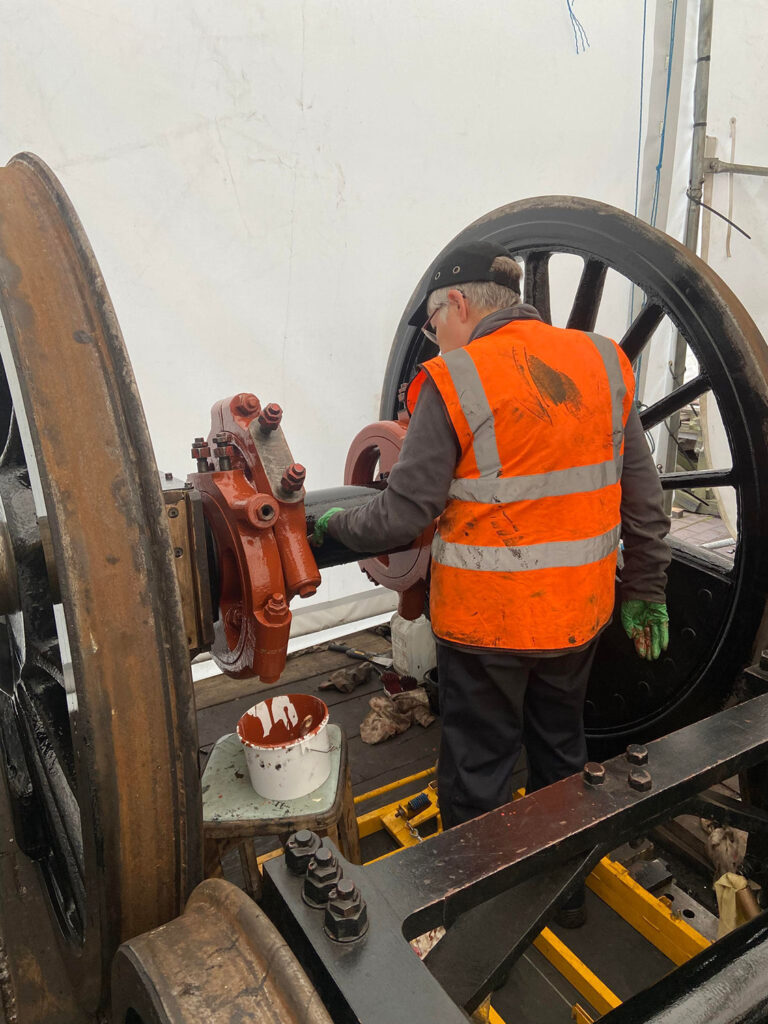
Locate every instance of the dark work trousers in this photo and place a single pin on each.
(493, 702)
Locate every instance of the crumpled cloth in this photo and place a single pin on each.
(731, 910)
(345, 680)
(390, 716)
(725, 846)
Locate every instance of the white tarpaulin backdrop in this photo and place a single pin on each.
(264, 183)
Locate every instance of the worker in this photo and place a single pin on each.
(526, 447)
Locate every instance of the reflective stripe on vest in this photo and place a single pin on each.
(476, 410)
(555, 555)
(491, 488)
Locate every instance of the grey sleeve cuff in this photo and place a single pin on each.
(644, 524)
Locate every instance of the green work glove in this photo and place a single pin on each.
(321, 526)
(647, 625)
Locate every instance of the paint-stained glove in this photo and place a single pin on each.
(646, 623)
(321, 526)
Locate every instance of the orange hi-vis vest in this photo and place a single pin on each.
(524, 556)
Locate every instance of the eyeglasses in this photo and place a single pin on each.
(428, 330)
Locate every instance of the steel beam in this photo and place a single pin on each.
(436, 881)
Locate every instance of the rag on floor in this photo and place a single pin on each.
(345, 680)
(390, 716)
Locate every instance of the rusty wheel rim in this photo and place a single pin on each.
(221, 961)
(113, 718)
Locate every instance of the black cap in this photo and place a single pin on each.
(469, 262)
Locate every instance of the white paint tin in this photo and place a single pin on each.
(286, 745)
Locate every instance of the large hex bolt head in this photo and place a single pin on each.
(594, 773)
(637, 753)
(293, 478)
(245, 404)
(346, 915)
(270, 417)
(300, 849)
(640, 779)
(323, 875)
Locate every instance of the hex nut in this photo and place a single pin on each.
(637, 753)
(346, 915)
(594, 773)
(300, 849)
(640, 779)
(323, 875)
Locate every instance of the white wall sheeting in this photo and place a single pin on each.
(264, 183)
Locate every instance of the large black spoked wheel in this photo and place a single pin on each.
(715, 607)
(97, 711)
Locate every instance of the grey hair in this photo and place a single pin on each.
(484, 296)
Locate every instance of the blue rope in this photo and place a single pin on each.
(640, 119)
(639, 149)
(581, 39)
(657, 184)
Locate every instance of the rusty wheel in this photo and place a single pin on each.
(371, 456)
(96, 703)
(716, 607)
(221, 962)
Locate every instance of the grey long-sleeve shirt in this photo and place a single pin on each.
(417, 489)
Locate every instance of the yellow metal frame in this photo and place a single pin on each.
(610, 881)
(576, 972)
(664, 929)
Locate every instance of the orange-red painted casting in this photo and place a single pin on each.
(253, 500)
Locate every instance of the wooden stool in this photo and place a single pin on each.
(233, 813)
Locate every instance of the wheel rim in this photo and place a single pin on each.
(715, 608)
(99, 684)
(222, 960)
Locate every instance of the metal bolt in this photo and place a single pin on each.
(178, 552)
(173, 512)
(234, 616)
(224, 453)
(323, 875)
(637, 753)
(201, 452)
(640, 779)
(300, 849)
(270, 417)
(594, 773)
(246, 404)
(293, 477)
(346, 915)
(276, 609)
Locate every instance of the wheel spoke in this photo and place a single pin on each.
(640, 331)
(674, 402)
(537, 283)
(588, 296)
(698, 478)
